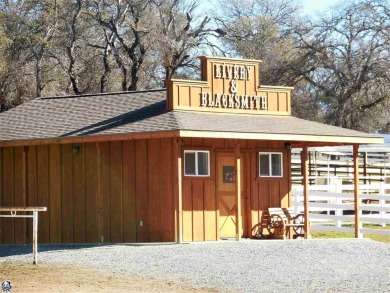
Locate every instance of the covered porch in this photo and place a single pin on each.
(210, 209)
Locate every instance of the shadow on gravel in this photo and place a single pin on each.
(9, 250)
(22, 249)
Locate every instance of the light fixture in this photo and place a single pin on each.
(75, 149)
(287, 145)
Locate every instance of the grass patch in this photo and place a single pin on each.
(331, 234)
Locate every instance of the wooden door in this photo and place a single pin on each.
(226, 191)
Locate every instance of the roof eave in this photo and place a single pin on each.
(323, 140)
(286, 137)
(86, 139)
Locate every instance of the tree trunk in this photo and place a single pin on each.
(104, 78)
(38, 77)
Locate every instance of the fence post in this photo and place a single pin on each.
(338, 212)
(331, 188)
(382, 202)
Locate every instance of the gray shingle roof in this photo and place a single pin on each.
(139, 112)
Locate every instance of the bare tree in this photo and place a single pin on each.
(78, 49)
(70, 48)
(16, 80)
(260, 29)
(129, 23)
(39, 27)
(179, 33)
(106, 63)
(346, 58)
(338, 62)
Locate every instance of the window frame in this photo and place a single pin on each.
(270, 164)
(196, 163)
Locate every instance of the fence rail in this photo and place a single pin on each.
(331, 206)
(337, 162)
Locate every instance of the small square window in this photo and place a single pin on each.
(196, 163)
(270, 165)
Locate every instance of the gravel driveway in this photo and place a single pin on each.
(332, 265)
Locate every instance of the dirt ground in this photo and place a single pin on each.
(51, 278)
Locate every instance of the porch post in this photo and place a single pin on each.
(238, 190)
(305, 182)
(365, 167)
(356, 189)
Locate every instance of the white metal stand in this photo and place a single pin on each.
(34, 216)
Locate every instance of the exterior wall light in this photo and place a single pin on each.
(75, 149)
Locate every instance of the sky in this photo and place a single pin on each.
(310, 6)
(313, 6)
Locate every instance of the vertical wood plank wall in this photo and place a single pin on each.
(99, 194)
(199, 195)
(199, 198)
(269, 192)
(106, 190)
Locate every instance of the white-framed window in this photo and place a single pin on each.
(196, 163)
(270, 164)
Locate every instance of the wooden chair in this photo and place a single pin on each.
(282, 220)
(260, 230)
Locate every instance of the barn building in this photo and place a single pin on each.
(198, 161)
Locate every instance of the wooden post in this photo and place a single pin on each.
(247, 188)
(305, 167)
(356, 189)
(238, 190)
(309, 154)
(365, 167)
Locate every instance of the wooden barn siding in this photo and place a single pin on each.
(104, 192)
(101, 193)
(269, 192)
(8, 229)
(199, 199)
(199, 196)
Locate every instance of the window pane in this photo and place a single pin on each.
(189, 163)
(276, 160)
(264, 165)
(203, 163)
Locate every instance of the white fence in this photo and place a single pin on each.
(334, 204)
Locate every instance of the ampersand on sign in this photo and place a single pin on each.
(233, 86)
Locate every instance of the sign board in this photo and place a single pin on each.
(230, 86)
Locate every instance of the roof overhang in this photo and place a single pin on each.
(295, 139)
(94, 138)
